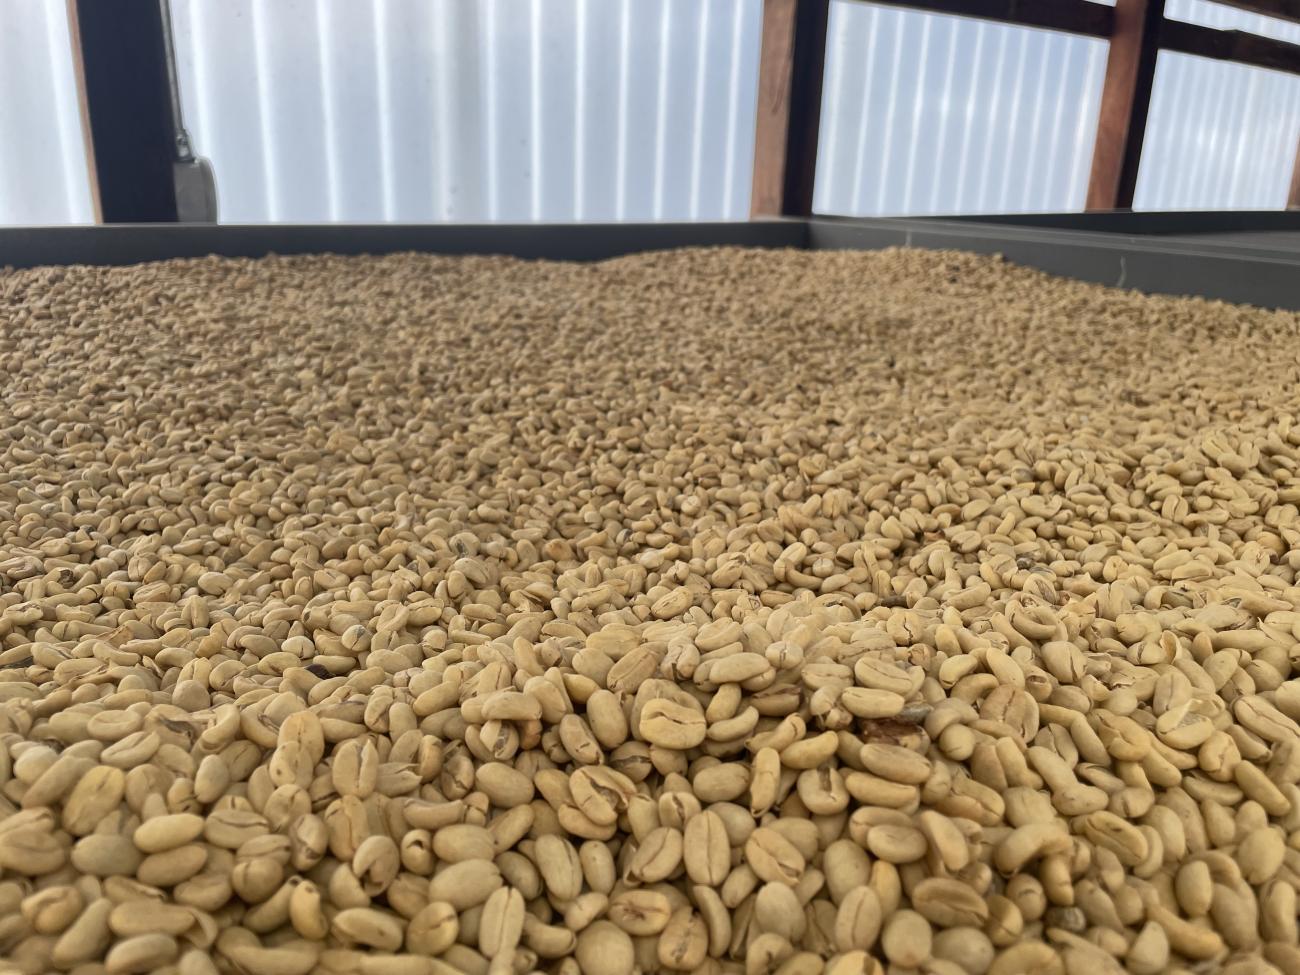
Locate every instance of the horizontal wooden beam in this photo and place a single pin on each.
(1071, 16)
(1230, 45)
(1285, 9)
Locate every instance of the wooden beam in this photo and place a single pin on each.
(83, 109)
(791, 63)
(122, 60)
(1230, 45)
(1072, 16)
(1293, 195)
(1285, 9)
(1125, 101)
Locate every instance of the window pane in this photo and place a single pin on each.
(471, 110)
(43, 176)
(1219, 136)
(1230, 18)
(926, 113)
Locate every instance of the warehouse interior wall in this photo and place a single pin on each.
(43, 170)
(1220, 135)
(510, 110)
(933, 114)
(925, 113)
(608, 110)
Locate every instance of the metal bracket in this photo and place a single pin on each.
(196, 187)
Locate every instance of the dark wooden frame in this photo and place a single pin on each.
(120, 61)
(791, 67)
(1293, 194)
(1125, 102)
(786, 137)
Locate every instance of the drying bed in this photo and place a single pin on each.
(710, 609)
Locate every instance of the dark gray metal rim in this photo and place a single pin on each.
(1204, 254)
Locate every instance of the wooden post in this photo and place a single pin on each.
(1125, 101)
(121, 65)
(1293, 195)
(791, 63)
(83, 109)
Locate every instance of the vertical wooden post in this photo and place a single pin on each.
(1293, 195)
(1125, 101)
(121, 64)
(791, 63)
(83, 109)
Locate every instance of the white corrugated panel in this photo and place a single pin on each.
(43, 176)
(926, 113)
(469, 110)
(1219, 135)
(1230, 18)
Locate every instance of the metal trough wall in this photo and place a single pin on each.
(1257, 270)
(1222, 256)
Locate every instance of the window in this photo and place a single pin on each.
(43, 173)
(926, 113)
(427, 110)
(1219, 135)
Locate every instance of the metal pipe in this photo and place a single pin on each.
(184, 151)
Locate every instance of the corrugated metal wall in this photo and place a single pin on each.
(926, 113)
(1219, 135)
(42, 154)
(473, 110)
(419, 110)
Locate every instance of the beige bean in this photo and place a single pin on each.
(560, 867)
(968, 947)
(162, 833)
(906, 939)
(463, 841)
(502, 923)
(368, 926)
(657, 856)
(895, 763)
(896, 843)
(434, 929)
(672, 725)
(858, 920)
(684, 942)
(706, 849)
(465, 884)
(416, 615)
(773, 858)
(640, 912)
(143, 953)
(949, 903)
(603, 949)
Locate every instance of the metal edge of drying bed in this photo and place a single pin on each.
(1254, 270)
(137, 243)
(1264, 274)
